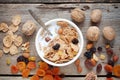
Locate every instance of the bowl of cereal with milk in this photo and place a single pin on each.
(61, 48)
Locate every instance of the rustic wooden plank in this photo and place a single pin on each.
(111, 16)
(58, 1)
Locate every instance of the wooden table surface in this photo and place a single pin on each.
(111, 17)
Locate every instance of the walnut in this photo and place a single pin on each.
(28, 28)
(77, 15)
(96, 15)
(109, 33)
(93, 33)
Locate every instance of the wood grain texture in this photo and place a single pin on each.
(111, 16)
(59, 1)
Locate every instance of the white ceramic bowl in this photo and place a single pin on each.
(40, 41)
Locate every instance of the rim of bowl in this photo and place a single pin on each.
(74, 58)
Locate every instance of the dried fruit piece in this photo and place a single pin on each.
(57, 78)
(99, 68)
(32, 58)
(13, 28)
(31, 65)
(89, 45)
(34, 77)
(22, 59)
(14, 69)
(110, 62)
(108, 68)
(88, 64)
(6, 49)
(110, 51)
(116, 70)
(16, 20)
(93, 50)
(7, 41)
(25, 73)
(75, 41)
(18, 41)
(93, 62)
(88, 55)
(95, 57)
(99, 49)
(102, 57)
(60, 31)
(13, 50)
(8, 62)
(49, 72)
(115, 58)
(41, 72)
(1, 53)
(56, 46)
(79, 69)
(26, 55)
(55, 70)
(47, 39)
(107, 46)
(48, 77)
(77, 62)
(21, 66)
(43, 65)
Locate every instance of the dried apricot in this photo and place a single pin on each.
(116, 70)
(34, 77)
(55, 70)
(31, 65)
(40, 72)
(108, 68)
(21, 66)
(48, 77)
(57, 78)
(43, 65)
(49, 72)
(25, 73)
(93, 62)
(88, 64)
(14, 69)
(89, 45)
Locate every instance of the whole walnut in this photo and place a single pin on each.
(28, 28)
(109, 33)
(96, 15)
(93, 33)
(77, 15)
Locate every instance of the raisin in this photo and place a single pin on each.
(88, 55)
(47, 39)
(93, 50)
(99, 49)
(56, 47)
(75, 41)
(22, 58)
(110, 62)
(109, 51)
(99, 68)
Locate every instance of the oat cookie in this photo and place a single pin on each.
(6, 49)
(13, 28)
